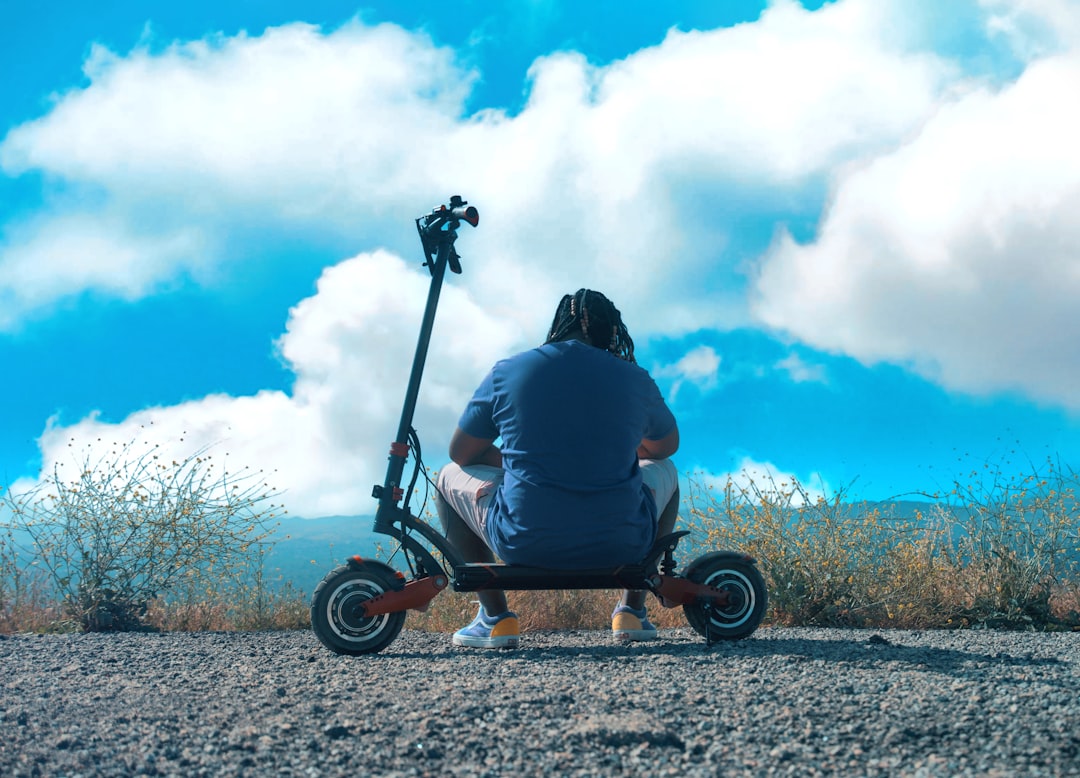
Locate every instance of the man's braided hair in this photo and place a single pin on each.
(596, 319)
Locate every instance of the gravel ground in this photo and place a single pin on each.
(785, 702)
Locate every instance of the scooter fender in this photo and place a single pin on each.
(675, 590)
(414, 595)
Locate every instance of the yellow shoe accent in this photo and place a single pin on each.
(502, 634)
(506, 628)
(627, 626)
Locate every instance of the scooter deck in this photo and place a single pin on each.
(476, 577)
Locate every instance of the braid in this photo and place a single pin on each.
(598, 321)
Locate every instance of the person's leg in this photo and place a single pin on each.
(463, 515)
(661, 477)
(665, 525)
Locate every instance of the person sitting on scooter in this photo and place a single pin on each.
(582, 478)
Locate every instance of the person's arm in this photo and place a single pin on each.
(468, 450)
(660, 449)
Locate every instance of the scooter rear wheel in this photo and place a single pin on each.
(747, 596)
(337, 609)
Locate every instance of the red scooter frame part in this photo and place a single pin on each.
(672, 591)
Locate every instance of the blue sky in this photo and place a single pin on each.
(843, 235)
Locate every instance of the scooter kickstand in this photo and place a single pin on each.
(710, 641)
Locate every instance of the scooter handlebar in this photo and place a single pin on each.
(458, 210)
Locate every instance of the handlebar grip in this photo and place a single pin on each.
(466, 213)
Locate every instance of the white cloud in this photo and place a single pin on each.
(629, 166)
(72, 253)
(699, 366)
(351, 346)
(611, 177)
(800, 371)
(754, 480)
(1034, 28)
(291, 120)
(959, 253)
(165, 157)
(615, 178)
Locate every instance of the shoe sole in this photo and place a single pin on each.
(629, 635)
(509, 641)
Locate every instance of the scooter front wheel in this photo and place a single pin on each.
(337, 609)
(739, 577)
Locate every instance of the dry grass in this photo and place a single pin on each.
(559, 609)
(30, 607)
(1002, 553)
(284, 612)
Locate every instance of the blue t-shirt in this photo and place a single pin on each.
(570, 417)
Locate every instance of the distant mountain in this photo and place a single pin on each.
(305, 550)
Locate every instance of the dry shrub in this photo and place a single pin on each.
(28, 601)
(1065, 604)
(115, 529)
(995, 553)
(998, 552)
(822, 560)
(1016, 537)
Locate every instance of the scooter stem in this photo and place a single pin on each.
(439, 232)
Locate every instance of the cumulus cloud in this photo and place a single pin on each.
(699, 366)
(289, 120)
(625, 177)
(632, 165)
(165, 155)
(72, 253)
(350, 345)
(958, 253)
(750, 478)
(612, 176)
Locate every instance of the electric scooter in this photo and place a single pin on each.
(359, 607)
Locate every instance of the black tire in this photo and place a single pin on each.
(737, 575)
(337, 616)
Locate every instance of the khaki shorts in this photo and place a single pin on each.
(470, 490)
